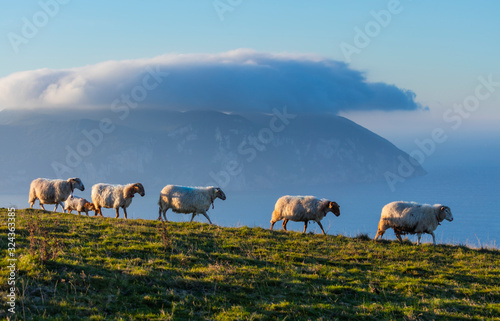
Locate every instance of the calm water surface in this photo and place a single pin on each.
(472, 194)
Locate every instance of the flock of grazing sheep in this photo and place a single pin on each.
(402, 217)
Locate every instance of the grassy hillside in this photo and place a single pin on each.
(72, 267)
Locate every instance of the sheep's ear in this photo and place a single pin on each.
(442, 212)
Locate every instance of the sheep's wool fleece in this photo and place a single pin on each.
(300, 208)
(49, 191)
(75, 203)
(184, 199)
(110, 196)
(411, 217)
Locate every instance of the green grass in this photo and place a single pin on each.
(75, 267)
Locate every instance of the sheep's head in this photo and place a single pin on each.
(90, 206)
(219, 193)
(131, 190)
(76, 183)
(334, 208)
(445, 214)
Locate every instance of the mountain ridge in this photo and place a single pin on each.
(195, 148)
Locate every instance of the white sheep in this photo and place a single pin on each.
(411, 218)
(78, 204)
(53, 191)
(302, 209)
(187, 200)
(114, 196)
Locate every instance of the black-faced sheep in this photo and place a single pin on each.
(187, 200)
(78, 204)
(412, 218)
(115, 196)
(53, 191)
(303, 209)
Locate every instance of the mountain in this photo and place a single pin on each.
(237, 151)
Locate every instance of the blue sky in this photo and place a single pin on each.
(435, 49)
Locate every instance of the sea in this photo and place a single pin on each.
(471, 191)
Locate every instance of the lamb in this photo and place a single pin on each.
(53, 191)
(411, 218)
(114, 196)
(303, 209)
(78, 204)
(187, 200)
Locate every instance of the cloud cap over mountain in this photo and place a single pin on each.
(241, 80)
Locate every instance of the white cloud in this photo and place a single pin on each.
(238, 80)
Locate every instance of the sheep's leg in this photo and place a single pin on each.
(125, 212)
(159, 213)
(399, 237)
(41, 205)
(433, 238)
(208, 218)
(419, 235)
(285, 222)
(57, 204)
(117, 212)
(272, 224)
(165, 215)
(192, 217)
(99, 211)
(320, 225)
(305, 227)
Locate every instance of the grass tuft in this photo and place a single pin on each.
(363, 237)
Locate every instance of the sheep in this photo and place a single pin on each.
(187, 200)
(302, 209)
(114, 196)
(53, 191)
(411, 218)
(78, 204)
